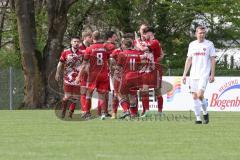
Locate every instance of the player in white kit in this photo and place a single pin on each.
(201, 58)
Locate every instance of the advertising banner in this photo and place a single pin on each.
(222, 95)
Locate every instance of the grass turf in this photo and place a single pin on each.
(40, 135)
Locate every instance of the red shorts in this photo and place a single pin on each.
(153, 79)
(100, 82)
(130, 84)
(72, 89)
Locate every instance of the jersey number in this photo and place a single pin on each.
(132, 64)
(99, 58)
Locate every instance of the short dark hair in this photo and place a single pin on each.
(148, 29)
(75, 37)
(109, 34)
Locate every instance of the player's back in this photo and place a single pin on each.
(110, 47)
(98, 57)
(131, 62)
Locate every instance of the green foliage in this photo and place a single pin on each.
(41, 28)
(10, 33)
(10, 58)
(174, 22)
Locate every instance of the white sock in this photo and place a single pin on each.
(204, 104)
(197, 109)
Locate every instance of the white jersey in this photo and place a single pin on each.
(201, 53)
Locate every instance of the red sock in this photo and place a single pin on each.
(133, 110)
(115, 104)
(72, 107)
(88, 104)
(145, 101)
(160, 103)
(125, 106)
(83, 102)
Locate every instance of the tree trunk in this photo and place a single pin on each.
(3, 5)
(34, 87)
(57, 24)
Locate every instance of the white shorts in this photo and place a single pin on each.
(198, 84)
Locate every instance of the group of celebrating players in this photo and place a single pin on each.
(97, 63)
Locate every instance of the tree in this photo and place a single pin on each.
(57, 23)
(3, 5)
(34, 86)
(37, 68)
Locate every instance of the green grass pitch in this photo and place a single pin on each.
(40, 135)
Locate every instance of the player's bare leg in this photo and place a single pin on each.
(124, 103)
(100, 107)
(114, 105)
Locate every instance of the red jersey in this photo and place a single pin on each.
(115, 53)
(110, 47)
(153, 54)
(98, 57)
(72, 61)
(82, 48)
(155, 48)
(153, 45)
(131, 62)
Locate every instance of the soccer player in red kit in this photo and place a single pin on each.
(110, 45)
(82, 80)
(116, 77)
(96, 64)
(71, 60)
(152, 78)
(130, 61)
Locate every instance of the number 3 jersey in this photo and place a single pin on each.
(98, 56)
